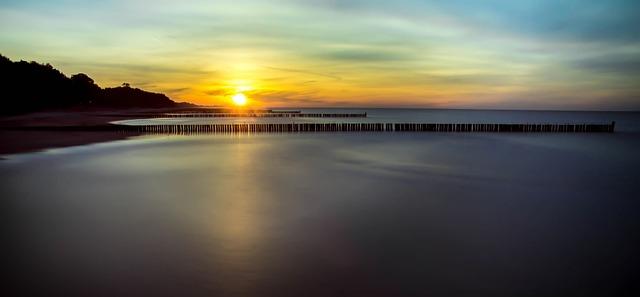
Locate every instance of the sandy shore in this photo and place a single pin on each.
(12, 142)
(36, 131)
(43, 130)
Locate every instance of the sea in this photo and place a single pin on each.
(331, 214)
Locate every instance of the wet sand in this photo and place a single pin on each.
(12, 142)
(43, 130)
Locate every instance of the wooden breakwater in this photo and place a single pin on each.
(260, 115)
(368, 127)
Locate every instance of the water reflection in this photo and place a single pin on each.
(404, 214)
(235, 209)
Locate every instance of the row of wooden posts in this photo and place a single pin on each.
(366, 127)
(260, 115)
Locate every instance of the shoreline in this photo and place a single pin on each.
(64, 128)
(16, 142)
(43, 130)
(56, 129)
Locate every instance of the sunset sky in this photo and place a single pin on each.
(541, 54)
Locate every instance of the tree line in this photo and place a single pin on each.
(30, 86)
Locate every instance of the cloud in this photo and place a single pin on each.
(219, 92)
(305, 72)
(558, 100)
(176, 90)
(143, 68)
(584, 20)
(622, 64)
(289, 98)
(356, 52)
(364, 56)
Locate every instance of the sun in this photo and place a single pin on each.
(239, 99)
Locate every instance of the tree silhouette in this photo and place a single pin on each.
(30, 86)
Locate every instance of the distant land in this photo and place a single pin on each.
(31, 87)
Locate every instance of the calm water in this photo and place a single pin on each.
(331, 214)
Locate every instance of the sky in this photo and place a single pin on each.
(502, 54)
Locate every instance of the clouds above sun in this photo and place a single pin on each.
(487, 54)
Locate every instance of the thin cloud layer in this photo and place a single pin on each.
(458, 53)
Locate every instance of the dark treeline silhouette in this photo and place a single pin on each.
(30, 86)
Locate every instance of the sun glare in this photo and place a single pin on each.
(239, 99)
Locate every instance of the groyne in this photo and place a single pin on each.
(368, 127)
(276, 114)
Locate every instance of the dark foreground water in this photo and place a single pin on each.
(322, 214)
